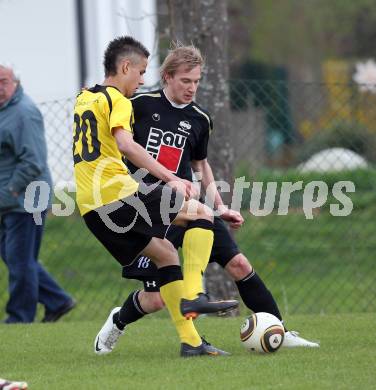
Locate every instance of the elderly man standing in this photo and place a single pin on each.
(23, 159)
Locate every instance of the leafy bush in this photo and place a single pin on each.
(363, 179)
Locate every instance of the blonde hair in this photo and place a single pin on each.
(190, 56)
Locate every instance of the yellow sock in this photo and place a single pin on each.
(197, 246)
(171, 294)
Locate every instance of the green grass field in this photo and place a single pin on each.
(324, 265)
(318, 270)
(60, 356)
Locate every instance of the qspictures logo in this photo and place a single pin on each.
(265, 198)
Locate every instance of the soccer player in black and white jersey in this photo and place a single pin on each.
(175, 131)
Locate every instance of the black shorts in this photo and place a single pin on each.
(126, 231)
(224, 249)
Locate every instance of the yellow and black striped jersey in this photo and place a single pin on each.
(100, 173)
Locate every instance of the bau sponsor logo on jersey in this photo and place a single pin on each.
(167, 147)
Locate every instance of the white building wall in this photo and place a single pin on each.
(39, 38)
(105, 20)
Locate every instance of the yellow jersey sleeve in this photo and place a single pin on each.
(122, 113)
(100, 173)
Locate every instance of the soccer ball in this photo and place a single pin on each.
(262, 332)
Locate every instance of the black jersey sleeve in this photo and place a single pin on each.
(201, 150)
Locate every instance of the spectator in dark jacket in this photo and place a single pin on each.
(23, 159)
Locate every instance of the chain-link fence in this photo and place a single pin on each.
(314, 247)
(310, 240)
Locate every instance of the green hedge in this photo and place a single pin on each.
(363, 179)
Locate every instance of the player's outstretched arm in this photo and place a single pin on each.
(207, 180)
(234, 218)
(137, 155)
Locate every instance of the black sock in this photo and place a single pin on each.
(169, 273)
(131, 311)
(256, 296)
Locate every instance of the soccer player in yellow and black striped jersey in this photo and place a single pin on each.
(125, 219)
(97, 158)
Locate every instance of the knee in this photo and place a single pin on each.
(170, 252)
(205, 212)
(22, 272)
(151, 301)
(238, 267)
(166, 255)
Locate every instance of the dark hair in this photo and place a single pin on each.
(119, 48)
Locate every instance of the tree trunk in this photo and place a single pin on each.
(205, 24)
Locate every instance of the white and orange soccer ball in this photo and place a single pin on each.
(262, 332)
